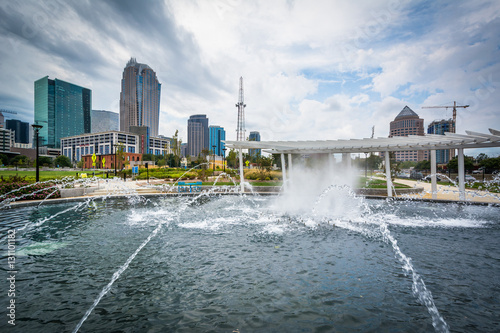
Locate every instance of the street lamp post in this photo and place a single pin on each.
(114, 146)
(213, 154)
(224, 158)
(36, 128)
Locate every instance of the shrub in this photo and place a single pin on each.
(37, 191)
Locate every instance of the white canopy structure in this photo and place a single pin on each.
(429, 142)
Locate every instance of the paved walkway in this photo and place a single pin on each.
(448, 192)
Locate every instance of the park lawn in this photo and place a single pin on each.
(377, 183)
(48, 174)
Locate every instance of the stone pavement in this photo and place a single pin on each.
(448, 192)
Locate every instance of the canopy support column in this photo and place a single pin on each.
(290, 169)
(388, 174)
(241, 171)
(461, 174)
(283, 171)
(331, 164)
(433, 174)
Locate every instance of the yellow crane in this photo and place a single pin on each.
(454, 126)
(454, 106)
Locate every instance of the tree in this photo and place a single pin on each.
(264, 165)
(45, 161)
(4, 159)
(481, 157)
(121, 156)
(408, 164)
(176, 149)
(147, 157)
(423, 165)
(19, 160)
(231, 159)
(468, 163)
(490, 164)
(277, 160)
(374, 161)
(202, 158)
(62, 161)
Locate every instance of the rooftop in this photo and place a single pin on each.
(406, 113)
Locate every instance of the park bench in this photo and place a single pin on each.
(193, 187)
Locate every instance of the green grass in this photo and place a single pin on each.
(48, 175)
(377, 183)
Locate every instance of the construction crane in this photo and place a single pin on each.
(454, 106)
(454, 126)
(2, 111)
(6, 111)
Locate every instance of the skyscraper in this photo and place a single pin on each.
(440, 127)
(103, 121)
(63, 109)
(20, 128)
(407, 122)
(254, 136)
(217, 135)
(197, 134)
(139, 97)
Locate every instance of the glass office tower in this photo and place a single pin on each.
(139, 98)
(217, 135)
(254, 136)
(440, 127)
(63, 109)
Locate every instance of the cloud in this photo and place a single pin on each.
(324, 70)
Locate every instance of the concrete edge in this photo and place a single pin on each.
(28, 203)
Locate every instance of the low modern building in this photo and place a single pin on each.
(6, 139)
(105, 143)
(160, 146)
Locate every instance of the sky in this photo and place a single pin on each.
(312, 70)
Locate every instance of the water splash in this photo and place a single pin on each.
(419, 288)
(116, 275)
(122, 268)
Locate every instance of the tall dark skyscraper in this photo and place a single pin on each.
(197, 134)
(63, 109)
(21, 129)
(139, 98)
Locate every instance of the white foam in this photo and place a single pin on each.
(435, 222)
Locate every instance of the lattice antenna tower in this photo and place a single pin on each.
(240, 129)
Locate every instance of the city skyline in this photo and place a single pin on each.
(331, 70)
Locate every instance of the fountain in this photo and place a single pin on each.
(315, 259)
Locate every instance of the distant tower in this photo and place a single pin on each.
(139, 97)
(240, 130)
